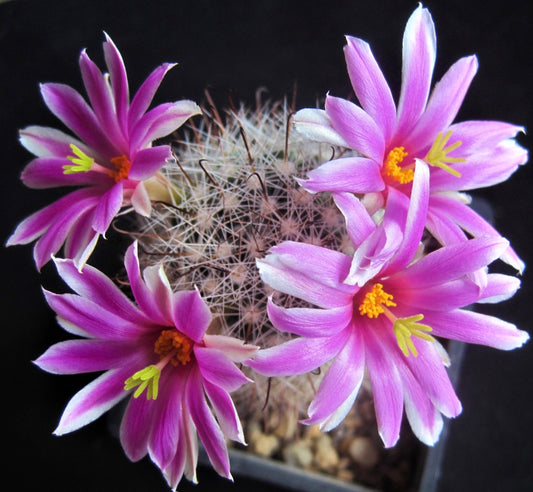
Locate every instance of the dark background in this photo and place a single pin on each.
(240, 46)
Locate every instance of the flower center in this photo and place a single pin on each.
(171, 346)
(177, 345)
(438, 154)
(374, 301)
(377, 301)
(436, 157)
(122, 165)
(82, 163)
(393, 169)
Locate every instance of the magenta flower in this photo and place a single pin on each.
(380, 311)
(111, 156)
(462, 156)
(158, 347)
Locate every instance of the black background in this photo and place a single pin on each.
(240, 46)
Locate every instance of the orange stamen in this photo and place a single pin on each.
(122, 165)
(372, 305)
(172, 341)
(392, 168)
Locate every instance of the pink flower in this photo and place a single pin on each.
(157, 349)
(111, 156)
(380, 311)
(389, 138)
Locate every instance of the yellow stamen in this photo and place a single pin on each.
(438, 154)
(172, 346)
(374, 300)
(401, 174)
(147, 377)
(405, 328)
(173, 342)
(81, 162)
(122, 165)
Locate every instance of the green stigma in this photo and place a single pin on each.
(145, 378)
(438, 154)
(405, 328)
(81, 162)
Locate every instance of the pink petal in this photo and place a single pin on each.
(48, 172)
(308, 272)
(482, 329)
(315, 124)
(94, 399)
(416, 219)
(142, 294)
(482, 169)
(160, 122)
(80, 356)
(353, 174)
(235, 349)
(82, 239)
(207, 427)
(36, 224)
(147, 162)
(443, 105)
(431, 374)
(356, 127)
(309, 322)
(473, 223)
(94, 319)
(173, 473)
(191, 314)
(143, 98)
(376, 251)
(419, 52)
(186, 457)
(442, 227)
(298, 356)
(140, 200)
(67, 104)
(59, 230)
(340, 385)
(370, 85)
(216, 368)
(43, 141)
(190, 445)
(424, 418)
(166, 417)
(108, 207)
(359, 223)
(499, 288)
(440, 297)
(102, 102)
(135, 427)
(450, 262)
(160, 290)
(386, 387)
(119, 81)
(98, 288)
(225, 412)
(483, 136)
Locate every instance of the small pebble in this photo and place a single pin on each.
(253, 431)
(298, 454)
(265, 445)
(286, 426)
(326, 456)
(313, 432)
(363, 451)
